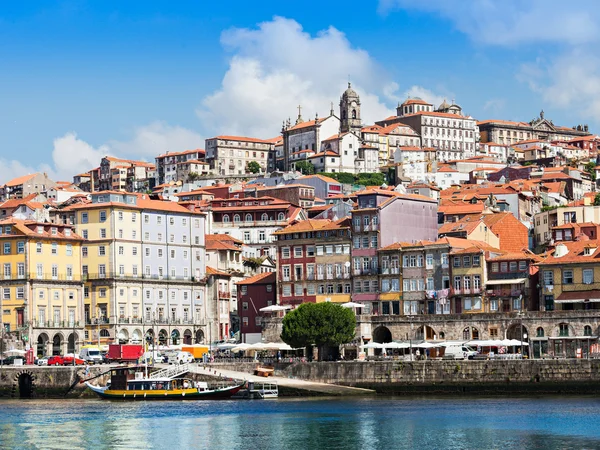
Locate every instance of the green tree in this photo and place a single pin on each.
(325, 325)
(192, 176)
(591, 169)
(306, 167)
(253, 167)
(597, 200)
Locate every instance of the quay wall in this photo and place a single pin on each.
(438, 376)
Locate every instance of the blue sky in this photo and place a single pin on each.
(81, 79)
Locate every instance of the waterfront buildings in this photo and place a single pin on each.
(254, 293)
(42, 287)
(143, 263)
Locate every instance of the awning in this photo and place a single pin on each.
(510, 281)
(578, 297)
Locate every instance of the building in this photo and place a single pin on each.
(253, 220)
(168, 164)
(191, 169)
(143, 263)
(511, 282)
(42, 287)
(122, 174)
(255, 293)
(313, 262)
(568, 280)
(382, 218)
(230, 155)
(505, 132)
(454, 135)
(219, 309)
(345, 152)
(26, 185)
(415, 163)
(297, 194)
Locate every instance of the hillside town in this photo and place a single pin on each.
(434, 225)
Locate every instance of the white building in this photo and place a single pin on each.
(230, 155)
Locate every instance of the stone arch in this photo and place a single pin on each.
(470, 334)
(563, 329)
(425, 332)
(199, 337)
(539, 332)
(442, 335)
(587, 330)
(136, 336)
(163, 337)
(42, 344)
(123, 336)
(57, 343)
(382, 335)
(24, 384)
(514, 331)
(175, 336)
(72, 342)
(187, 337)
(104, 333)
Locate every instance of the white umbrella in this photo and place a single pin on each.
(16, 352)
(226, 346)
(513, 343)
(374, 345)
(426, 345)
(352, 305)
(241, 347)
(273, 308)
(396, 345)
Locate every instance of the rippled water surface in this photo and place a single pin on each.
(369, 423)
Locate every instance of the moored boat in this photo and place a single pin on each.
(128, 383)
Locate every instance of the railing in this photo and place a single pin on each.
(504, 292)
(507, 276)
(320, 276)
(224, 294)
(53, 324)
(128, 276)
(578, 287)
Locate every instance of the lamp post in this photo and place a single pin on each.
(98, 320)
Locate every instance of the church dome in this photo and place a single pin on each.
(444, 105)
(350, 92)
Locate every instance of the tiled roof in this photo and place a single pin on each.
(320, 177)
(20, 180)
(310, 123)
(213, 271)
(575, 253)
(260, 278)
(313, 225)
(242, 139)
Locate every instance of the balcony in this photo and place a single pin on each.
(320, 276)
(505, 292)
(576, 287)
(128, 276)
(284, 278)
(310, 276)
(52, 324)
(224, 294)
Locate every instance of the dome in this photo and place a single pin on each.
(350, 92)
(444, 105)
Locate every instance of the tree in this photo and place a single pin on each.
(253, 167)
(192, 176)
(591, 169)
(306, 167)
(597, 200)
(325, 325)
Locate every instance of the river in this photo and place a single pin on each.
(363, 423)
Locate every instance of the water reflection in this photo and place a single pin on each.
(373, 423)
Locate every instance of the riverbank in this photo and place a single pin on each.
(495, 377)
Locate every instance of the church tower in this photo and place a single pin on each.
(350, 111)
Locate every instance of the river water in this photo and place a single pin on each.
(364, 423)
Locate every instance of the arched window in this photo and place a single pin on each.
(264, 217)
(539, 332)
(104, 333)
(226, 218)
(248, 218)
(236, 218)
(354, 114)
(587, 330)
(442, 335)
(280, 216)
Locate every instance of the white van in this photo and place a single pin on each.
(91, 355)
(459, 351)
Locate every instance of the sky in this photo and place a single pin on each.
(83, 79)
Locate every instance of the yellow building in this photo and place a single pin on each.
(42, 289)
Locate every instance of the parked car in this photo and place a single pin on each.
(183, 357)
(151, 358)
(43, 361)
(10, 360)
(56, 360)
(68, 360)
(459, 352)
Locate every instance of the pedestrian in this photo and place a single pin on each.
(418, 354)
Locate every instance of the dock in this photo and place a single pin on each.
(288, 386)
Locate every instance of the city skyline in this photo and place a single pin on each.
(94, 80)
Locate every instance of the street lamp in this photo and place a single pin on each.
(98, 320)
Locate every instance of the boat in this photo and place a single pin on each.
(256, 390)
(129, 383)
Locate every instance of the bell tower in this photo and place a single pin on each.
(350, 111)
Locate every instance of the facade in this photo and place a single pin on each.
(230, 155)
(253, 220)
(122, 174)
(506, 132)
(42, 287)
(255, 293)
(511, 283)
(190, 168)
(26, 185)
(167, 164)
(143, 265)
(382, 218)
(313, 262)
(298, 194)
(545, 221)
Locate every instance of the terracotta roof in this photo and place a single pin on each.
(504, 122)
(575, 253)
(141, 203)
(313, 225)
(260, 278)
(320, 177)
(242, 139)
(20, 180)
(310, 123)
(326, 153)
(213, 271)
(462, 208)
(416, 101)
(388, 129)
(185, 152)
(29, 228)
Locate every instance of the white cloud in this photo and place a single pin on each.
(494, 105)
(72, 155)
(510, 22)
(278, 66)
(428, 95)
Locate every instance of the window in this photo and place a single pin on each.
(84, 217)
(548, 278)
(457, 282)
(38, 248)
(102, 233)
(297, 252)
(513, 266)
(102, 250)
(567, 276)
(101, 270)
(429, 261)
(286, 290)
(20, 270)
(466, 261)
(310, 250)
(285, 252)
(539, 332)
(504, 267)
(20, 247)
(563, 329)
(102, 216)
(588, 276)
(456, 261)
(445, 259)
(587, 330)
(522, 265)
(54, 272)
(7, 248)
(476, 260)
(121, 250)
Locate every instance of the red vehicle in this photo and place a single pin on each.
(56, 360)
(125, 352)
(68, 360)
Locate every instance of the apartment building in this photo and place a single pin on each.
(143, 263)
(256, 292)
(26, 185)
(168, 167)
(230, 155)
(42, 288)
(313, 262)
